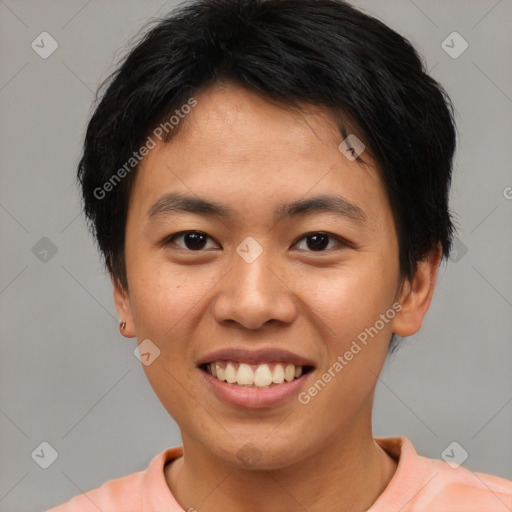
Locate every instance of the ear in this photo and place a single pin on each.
(415, 295)
(124, 308)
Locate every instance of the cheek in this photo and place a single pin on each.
(350, 298)
(355, 339)
(165, 308)
(162, 293)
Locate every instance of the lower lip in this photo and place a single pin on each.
(253, 398)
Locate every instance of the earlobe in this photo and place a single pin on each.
(124, 310)
(415, 295)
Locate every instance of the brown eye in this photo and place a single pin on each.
(318, 242)
(192, 240)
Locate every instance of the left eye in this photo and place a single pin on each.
(318, 242)
(197, 240)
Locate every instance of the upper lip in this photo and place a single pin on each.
(255, 356)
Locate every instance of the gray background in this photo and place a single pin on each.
(67, 376)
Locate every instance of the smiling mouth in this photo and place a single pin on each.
(264, 375)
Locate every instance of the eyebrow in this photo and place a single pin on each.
(178, 203)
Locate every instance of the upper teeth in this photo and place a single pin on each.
(258, 375)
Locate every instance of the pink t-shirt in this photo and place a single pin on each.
(419, 484)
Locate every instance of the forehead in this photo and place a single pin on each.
(240, 120)
(253, 153)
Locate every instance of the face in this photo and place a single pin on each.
(258, 283)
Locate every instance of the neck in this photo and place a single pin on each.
(348, 475)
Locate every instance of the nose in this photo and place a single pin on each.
(254, 294)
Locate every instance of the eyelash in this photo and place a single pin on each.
(341, 242)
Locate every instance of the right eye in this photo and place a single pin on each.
(193, 241)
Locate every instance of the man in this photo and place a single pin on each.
(268, 182)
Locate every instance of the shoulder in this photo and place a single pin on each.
(421, 484)
(130, 493)
(121, 492)
(461, 489)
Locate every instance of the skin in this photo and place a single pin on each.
(241, 150)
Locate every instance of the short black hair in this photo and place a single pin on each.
(295, 52)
